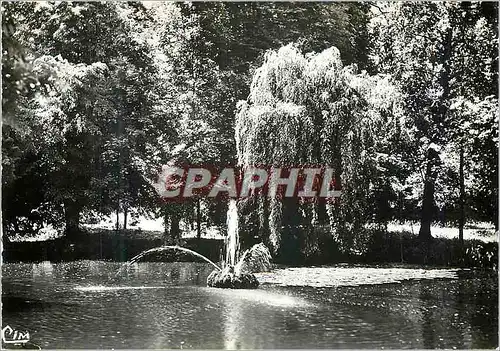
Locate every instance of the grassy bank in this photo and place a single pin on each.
(104, 245)
(382, 247)
(406, 247)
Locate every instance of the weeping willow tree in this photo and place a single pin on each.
(311, 110)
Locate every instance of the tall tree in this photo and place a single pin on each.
(92, 121)
(312, 110)
(437, 52)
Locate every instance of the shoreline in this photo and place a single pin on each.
(383, 248)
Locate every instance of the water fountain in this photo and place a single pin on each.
(236, 272)
(170, 247)
(233, 275)
(233, 236)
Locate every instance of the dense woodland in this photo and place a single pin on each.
(401, 99)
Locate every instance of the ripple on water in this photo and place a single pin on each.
(259, 296)
(112, 288)
(342, 276)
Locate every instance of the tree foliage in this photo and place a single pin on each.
(444, 55)
(310, 109)
(399, 99)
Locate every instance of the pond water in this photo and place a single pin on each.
(166, 305)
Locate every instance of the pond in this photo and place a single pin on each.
(85, 304)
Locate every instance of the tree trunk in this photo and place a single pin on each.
(439, 116)
(321, 212)
(174, 228)
(461, 220)
(121, 254)
(198, 219)
(428, 198)
(117, 218)
(263, 211)
(165, 226)
(72, 218)
(462, 198)
(125, 213)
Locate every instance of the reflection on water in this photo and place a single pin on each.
(108, 288)
(265, 297)
(232, 324)
(342, 276)
(166, 305)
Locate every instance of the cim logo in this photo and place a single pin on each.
(11, 336)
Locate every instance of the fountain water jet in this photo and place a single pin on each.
(232, 233)
(232, 276)
(237, 272)
(165, 248)
(255, 259)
